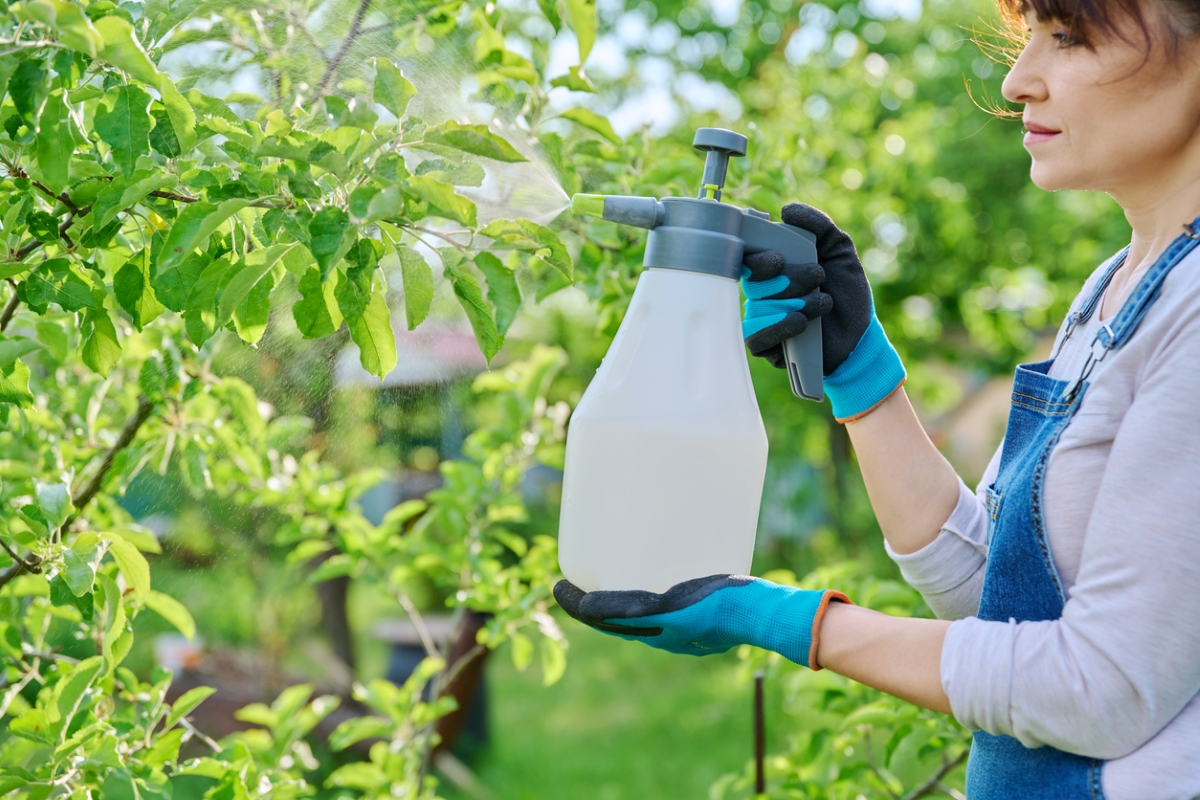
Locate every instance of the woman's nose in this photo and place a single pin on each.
(1023, 84)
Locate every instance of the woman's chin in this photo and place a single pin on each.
(1051, 178)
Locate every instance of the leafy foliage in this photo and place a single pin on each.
(144, 221)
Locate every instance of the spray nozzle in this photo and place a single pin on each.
(640, 212)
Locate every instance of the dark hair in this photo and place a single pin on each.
(1089, 18)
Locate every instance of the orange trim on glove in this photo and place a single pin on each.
(862, 414)
(830, 595)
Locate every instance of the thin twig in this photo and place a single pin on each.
(51, 656)
(62, 197)
(931, 784)
(447, 679)
(10, 308)
(464, 248)
(332, 65)
(418, 622)
(192, 729)
(83, 497)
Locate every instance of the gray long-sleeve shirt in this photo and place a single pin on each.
(1118, 675)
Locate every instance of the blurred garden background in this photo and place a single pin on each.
(294, 318)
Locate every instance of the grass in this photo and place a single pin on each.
(625, 722)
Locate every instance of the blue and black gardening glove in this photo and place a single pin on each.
(861, 367)
(708, 615)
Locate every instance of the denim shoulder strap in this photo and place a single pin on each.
(1116, 333)
(1088, 307)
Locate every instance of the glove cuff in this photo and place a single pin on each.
(869, 375)
(788, 622)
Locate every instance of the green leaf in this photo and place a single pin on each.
(54, 499)
(503, 292)
(173, 612)
(387, 204)
(474, 139)
(443, 200)
(141, 538)
(14, 385)
(468, 173)
(99, 348)
(53, 336)
(353, 731)
(192, 228)
(121, 194)
(418, 285)
(61, 596)
(362, 302)
(123, 51)
(80, 561)
(355, 114)
(123, 122)
(392, 89)
(12, 349)
(133, 566)
(200, 311)
(115, 611)
(180, 113)
(162, 135)
(470, 297)
(257, 265)
(56, 281)
(592, 121)
(165, 750)
(575, 81)
(528, 236)
(33, 725)
(74, 29)
(54, 143)
(251, 316)
(187, 703)
(74, 686)
(581, 16)
(327, 230)
(132, 287)
(173, 284)
(554, 660)
(28, 87)
(317, 313)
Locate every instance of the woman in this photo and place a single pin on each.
(1068, 587)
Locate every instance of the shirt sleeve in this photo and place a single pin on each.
(948, 572)
(1124, 658)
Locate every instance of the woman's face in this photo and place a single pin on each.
(1106, 117)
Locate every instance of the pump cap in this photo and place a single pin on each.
(733, 144)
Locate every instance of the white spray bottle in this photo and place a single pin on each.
(666, 452)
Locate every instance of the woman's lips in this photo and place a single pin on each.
(1035, 133)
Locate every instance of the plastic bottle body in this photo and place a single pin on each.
(666, 452)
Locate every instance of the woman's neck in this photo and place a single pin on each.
(1157, 213)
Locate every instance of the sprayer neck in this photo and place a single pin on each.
(716, 164)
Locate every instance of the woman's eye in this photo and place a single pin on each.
(1064, 38)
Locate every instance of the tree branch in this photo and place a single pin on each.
(331, 66)
(180, 198)
(140, 415)
(931, 784)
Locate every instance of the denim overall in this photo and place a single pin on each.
(1021, 581)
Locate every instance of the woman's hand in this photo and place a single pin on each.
(708, 615)
(861, 367)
